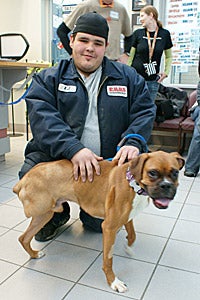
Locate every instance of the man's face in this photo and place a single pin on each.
(87, 51)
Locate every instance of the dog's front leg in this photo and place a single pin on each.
(108, 245)
(131, 232)
(36, 224)
(130, 237)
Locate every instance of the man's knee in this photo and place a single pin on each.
(28, 164)
(31, 160)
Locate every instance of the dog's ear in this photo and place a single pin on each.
(179, 158)
(137, 165)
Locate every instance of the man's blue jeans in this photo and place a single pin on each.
(193, 158)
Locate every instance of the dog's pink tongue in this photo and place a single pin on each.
(162, 202)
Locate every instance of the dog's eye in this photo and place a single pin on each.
(153, 174)
(174, 174)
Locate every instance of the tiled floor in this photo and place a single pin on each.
(166, 255)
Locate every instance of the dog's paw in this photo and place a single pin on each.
(119, 286)
(40, 254)
(129, 250)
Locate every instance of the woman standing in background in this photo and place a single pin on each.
(148, 45)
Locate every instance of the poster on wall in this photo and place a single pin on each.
(136, 19)
(183, 22)
(138, 4)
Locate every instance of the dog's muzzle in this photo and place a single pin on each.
(160, 194)
(163, 194)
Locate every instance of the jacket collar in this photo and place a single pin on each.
(109, 69)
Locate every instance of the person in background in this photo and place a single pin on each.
(148, 45)
(118, 22)
(192, 164)
(82, 108)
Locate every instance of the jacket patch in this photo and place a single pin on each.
(67, 88)
(117, 90)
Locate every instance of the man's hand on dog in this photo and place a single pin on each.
(126, 153)
(85, 160)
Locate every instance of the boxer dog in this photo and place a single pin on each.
(110, 196)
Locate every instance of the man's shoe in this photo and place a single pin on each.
(50, 230)
(190, 174)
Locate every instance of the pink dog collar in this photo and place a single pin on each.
(134, 184)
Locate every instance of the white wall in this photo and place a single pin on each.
(26, 17)
(23, 16)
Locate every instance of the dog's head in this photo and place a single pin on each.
(157, 173)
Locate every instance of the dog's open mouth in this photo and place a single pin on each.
(161, 203)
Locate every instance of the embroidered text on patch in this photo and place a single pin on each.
(117, 90)
(67, 88)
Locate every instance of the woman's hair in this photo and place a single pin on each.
(148, 9)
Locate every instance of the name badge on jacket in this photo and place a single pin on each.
(114, 15)
(67, 88)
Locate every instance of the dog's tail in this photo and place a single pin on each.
(17, 188)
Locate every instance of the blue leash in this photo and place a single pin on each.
(131, 135)
(18, 100)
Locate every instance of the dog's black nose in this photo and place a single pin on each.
(166, 186)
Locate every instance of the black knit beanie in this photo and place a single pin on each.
(92, 23)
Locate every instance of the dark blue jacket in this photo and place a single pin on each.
(58, 103)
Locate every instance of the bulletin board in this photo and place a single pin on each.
(183, 22)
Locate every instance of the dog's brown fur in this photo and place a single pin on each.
(46, 186)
